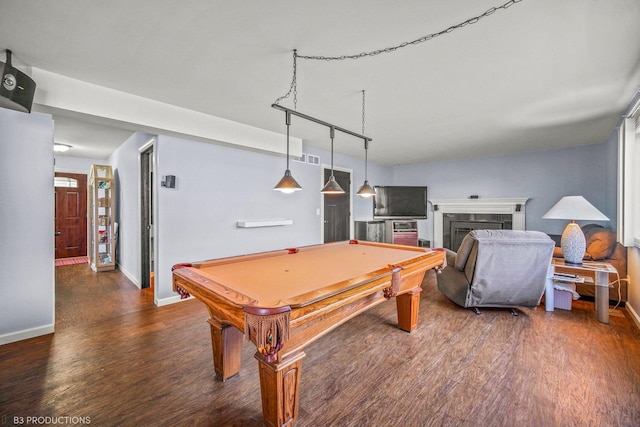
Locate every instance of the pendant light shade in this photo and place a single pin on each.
(287, 184)
(366, 190)
(332, 186)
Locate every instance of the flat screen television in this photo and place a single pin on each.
(401, 202)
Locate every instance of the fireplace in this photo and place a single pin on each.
(454, 218)
(457, 225)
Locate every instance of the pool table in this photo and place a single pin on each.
(284, 300)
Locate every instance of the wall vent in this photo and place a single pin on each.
(301, 159)
(309, 159)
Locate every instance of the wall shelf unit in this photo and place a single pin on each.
(100, 198)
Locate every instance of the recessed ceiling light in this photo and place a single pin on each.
(60, 148)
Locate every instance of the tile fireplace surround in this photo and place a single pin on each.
(513, 206)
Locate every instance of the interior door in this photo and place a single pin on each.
(70, 215)
(146, 216)
(337, 212)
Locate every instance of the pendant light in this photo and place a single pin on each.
(365, 191)
(332, 186)
(287, 184)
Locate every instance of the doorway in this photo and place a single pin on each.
(337, 208)
(70, 215)
(146, 215)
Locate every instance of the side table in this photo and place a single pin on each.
(597, 272)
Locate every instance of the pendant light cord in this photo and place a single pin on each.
(332, 133)
(366, 142)
(288, 122)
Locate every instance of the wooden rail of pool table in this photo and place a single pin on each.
(280, 371)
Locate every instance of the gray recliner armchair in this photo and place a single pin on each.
(498, 268)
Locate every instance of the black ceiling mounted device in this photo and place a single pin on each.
(16, 88)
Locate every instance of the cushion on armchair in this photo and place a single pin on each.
(463, 252)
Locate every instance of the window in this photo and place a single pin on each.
(629, 178)
(63, 181)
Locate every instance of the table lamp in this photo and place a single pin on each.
(573, 243)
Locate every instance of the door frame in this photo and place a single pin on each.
(324, 167)
(148, 189)
(86, 206)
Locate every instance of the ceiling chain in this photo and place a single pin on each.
(293, 88)
(294, 84)
(422, 39)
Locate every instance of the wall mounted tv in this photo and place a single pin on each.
(391, 202)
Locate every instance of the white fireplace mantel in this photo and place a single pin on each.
(514, 206)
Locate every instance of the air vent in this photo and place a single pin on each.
(301, 159)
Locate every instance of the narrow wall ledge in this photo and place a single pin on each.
(263, 223)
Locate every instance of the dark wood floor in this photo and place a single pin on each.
(121, 361)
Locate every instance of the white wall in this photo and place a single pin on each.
(107, 106)
(76, 164)
(633, 270)
(544, 176)
(215, 187)
(26, 226)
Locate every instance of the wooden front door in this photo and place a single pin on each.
(70, 215)
(337, 209)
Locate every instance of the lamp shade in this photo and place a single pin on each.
(573, 241)
(366, 190)
(287, 184)
(332, 187)
(574, 208)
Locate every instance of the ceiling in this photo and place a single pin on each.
(540, 74)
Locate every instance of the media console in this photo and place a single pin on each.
(399, 232)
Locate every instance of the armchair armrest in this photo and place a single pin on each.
(453, 283)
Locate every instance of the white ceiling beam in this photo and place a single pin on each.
(62, 93)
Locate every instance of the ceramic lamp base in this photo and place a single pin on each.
(573, 244)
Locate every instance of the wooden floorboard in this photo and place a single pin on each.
(121, 361)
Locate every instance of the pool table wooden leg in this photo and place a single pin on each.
(408, 305)
(226, 341)
(280, 389)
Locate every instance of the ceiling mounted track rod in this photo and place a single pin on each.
(320, 122)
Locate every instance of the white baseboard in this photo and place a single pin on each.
(129, 276)
(26, 334)
(633, 313)
(170, 300)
